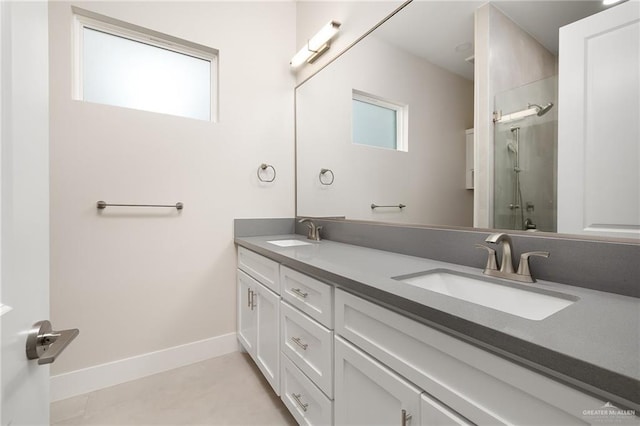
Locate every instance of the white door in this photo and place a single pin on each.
(368, 393)
(24, 206)
(268, 344)
(598, 126)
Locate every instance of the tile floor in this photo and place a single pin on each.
(228, 390)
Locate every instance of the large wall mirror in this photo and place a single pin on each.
(447, 114)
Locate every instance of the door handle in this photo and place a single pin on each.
(45, 344)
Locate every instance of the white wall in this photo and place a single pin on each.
(356, 17)
(506, 57)
(429, 178)
(132, 280)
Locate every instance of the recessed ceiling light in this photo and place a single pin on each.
(610, 2)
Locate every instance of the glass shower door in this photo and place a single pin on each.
(525, 157)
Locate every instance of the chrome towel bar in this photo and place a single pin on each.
(399, 206)
(101, 205)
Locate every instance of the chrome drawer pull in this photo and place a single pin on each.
(253, 300)
(296, 397)
(405, 418)
(300, 293)
(298, 342)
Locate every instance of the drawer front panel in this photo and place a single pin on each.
(304, 400)
(259, 267)
(482, 387)
(309, 345)
(311, 296)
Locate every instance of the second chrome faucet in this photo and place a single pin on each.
(314, 230)
(506, 263)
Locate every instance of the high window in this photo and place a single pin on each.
(124, 65)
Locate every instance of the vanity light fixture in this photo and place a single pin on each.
(316, 45)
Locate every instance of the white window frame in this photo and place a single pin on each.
(402, 117)
(85, 19)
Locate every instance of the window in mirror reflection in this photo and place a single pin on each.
(378, 122)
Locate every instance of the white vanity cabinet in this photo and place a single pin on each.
(336, 358)
(259, 313)
(473, 383)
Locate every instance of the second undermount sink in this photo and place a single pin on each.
(515, 299)
(289, 243)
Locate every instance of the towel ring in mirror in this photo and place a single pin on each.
(263, 168)
(323, 173)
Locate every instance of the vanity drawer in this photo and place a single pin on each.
(309, 345)
(311, 296)
(482, 387)
(260, 268)
(304, 400)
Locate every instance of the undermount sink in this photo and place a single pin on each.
(515, 299)
(288, 243)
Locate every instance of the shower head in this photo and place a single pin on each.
(511, 147)
(542, 110)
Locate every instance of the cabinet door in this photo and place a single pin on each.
(247, 326)
(434, 413)
(368, 393)
(267, 357)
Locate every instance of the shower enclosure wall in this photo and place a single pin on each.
(525, 157)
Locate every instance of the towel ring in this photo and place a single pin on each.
(265, 166)
(323, 172)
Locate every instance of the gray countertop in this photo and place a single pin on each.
(593, 344)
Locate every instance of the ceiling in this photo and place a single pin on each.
(442, 31)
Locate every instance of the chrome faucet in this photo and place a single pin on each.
(314, 230)
(506, 263)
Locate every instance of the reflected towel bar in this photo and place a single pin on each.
(103, 204)
(399, 206)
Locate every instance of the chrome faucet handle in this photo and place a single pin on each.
(523, 267)
(317, 235)
(492, 262)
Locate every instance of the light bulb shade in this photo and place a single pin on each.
(316, 45)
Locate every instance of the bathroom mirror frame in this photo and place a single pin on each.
(344, 219)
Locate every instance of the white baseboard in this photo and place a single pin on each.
(104, 375)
